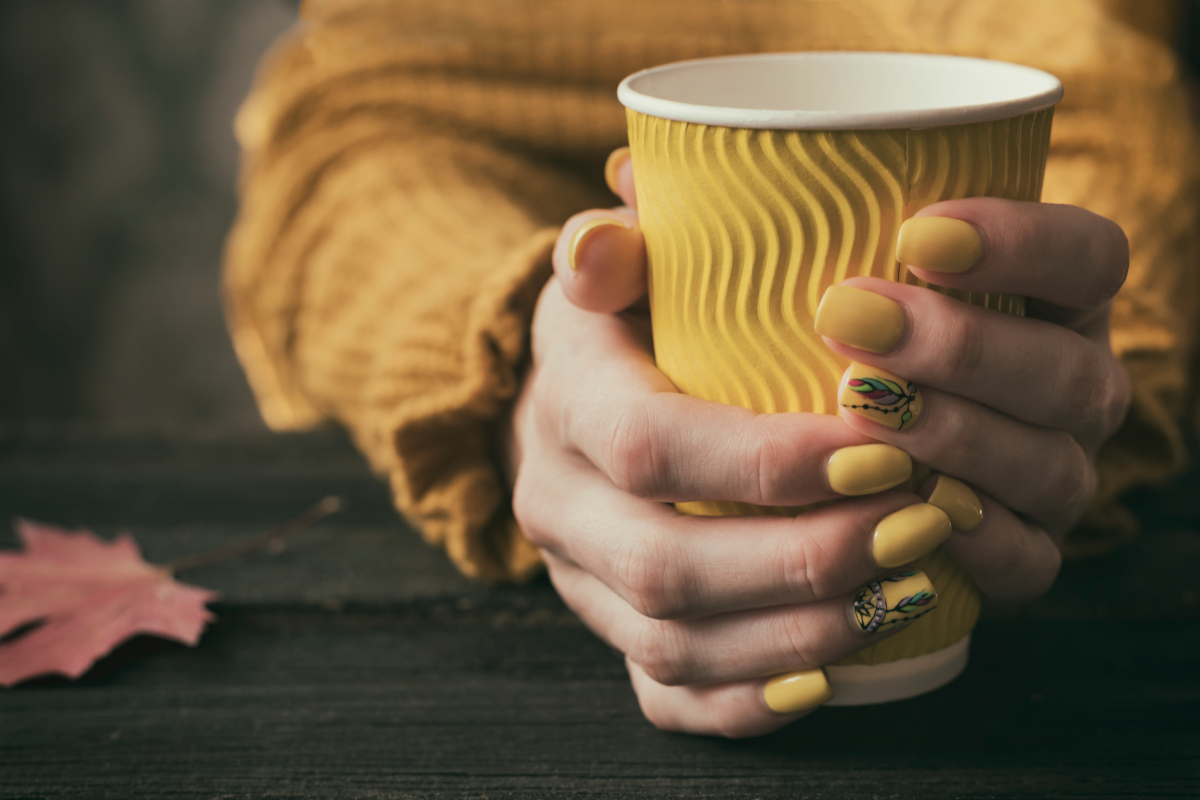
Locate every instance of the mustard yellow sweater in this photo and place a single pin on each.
(408, 163)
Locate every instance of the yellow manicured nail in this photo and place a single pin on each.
(894, 601)
(961, 504)
(616, 160)
(881, 397)
(797, 691)
(868, 468)
(908, 534)
(860, 319)
(581, 234)
(940, 244)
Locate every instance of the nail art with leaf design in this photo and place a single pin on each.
(894, 601)
(881, 397)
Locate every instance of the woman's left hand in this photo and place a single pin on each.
(1015, 407)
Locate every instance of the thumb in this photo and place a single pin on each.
(600, 260)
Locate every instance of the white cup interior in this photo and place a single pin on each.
(839, 90)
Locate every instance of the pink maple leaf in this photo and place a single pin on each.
(88, 596)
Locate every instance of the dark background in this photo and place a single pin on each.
(117, 187)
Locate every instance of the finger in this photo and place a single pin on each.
(618, 174)
(669, 565)
(671, 448)
(734, 710)
(1009, 559)
(1063, 255)
(1032, 370)
(600, 259)
(613, 404)
(1040, 472)
(748, 644)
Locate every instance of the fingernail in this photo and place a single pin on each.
(894, 601)
(860, 319)
(961, 504)
(582, 233)
(797, 691)
(616, 159)
(881, 397)
(868, 468)
(908, 534)
(940, 244)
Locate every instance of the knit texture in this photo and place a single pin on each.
(407, 165)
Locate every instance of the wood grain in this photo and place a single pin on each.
(356, 664)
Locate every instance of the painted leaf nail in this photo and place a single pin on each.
(874, 612)
(884, 396)
(877, 390)
(899, 576)
(913, 602)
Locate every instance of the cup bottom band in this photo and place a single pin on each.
(863, 684)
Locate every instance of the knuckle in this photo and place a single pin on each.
(1110, 250)
(1121, 398)
(542, 394)
(547, 403)
(733, 723)
(963, 346)
(1047, 571)
(770, 479)
(1096, 393)
(961, 437)
(527, 506)
(798, 639)
(658, 716)
(1006, 558)
(1025, 566)
(649, 579)
(714, 719)
(1086, 388)
(652, 648)
(800, 561)
(1070, 479)
(1029, 566)
(630, 453)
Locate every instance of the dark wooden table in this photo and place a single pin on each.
(356, 663)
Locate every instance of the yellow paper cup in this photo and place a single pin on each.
(764, 179)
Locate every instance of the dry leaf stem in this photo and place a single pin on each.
(265, 541)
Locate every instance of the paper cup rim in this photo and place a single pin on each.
(1037, 90)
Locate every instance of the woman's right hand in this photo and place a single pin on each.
(705, 609)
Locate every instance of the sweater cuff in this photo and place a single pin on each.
(447, 476)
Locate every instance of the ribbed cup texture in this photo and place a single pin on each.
(1005, 159)
(746, 229)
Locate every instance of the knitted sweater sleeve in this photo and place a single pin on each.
(382, 273)
(407, 165)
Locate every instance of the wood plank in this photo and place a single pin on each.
(441, 702)
(180, 496)
(358, 664)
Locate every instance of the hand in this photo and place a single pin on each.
(705, 608)
(1017, 408)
